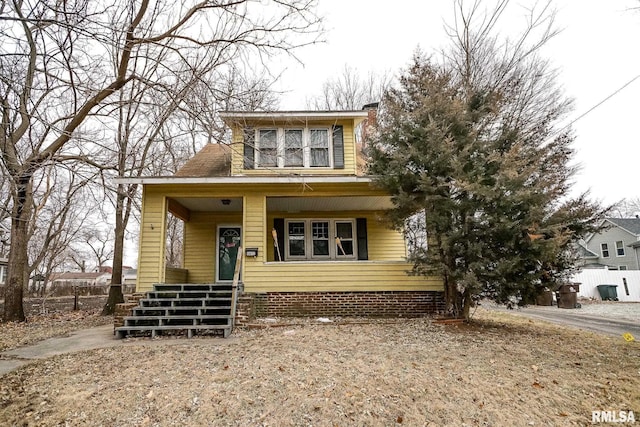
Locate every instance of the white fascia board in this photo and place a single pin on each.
(247, 180)
(231, 117)
(284, 115)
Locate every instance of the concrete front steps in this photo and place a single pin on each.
(181, 308)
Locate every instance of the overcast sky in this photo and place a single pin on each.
(597, 52)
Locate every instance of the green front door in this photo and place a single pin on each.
(228, 245)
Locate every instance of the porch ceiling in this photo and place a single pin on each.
(214, 204)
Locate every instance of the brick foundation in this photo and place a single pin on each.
(345, 304)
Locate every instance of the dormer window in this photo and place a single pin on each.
(268, 147)
(318, 147)
(294, 147)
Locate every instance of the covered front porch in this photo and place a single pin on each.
(301, 238)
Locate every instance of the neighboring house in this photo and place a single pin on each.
(129, 276)
(290, 190)
(4, 269)
(78, 278)
(5, 232)
(617, 247)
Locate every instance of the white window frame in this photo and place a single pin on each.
(286, 239)
(284, 148)
(329, 148)
(310, 240)
(604, 247)
(308, 237)
(620, 248)
(354, 241)
(258, 147)
(306, 147)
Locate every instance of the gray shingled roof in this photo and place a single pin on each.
(213, 160)
(583, 252)
(632, 225)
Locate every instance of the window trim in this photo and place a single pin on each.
(281, 149)
(285, 149)
(353, 239)
(604, 247)
(308, 238)
(286, 239)
(258, 155)
(620, 248)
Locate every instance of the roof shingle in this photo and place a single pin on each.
(213, 160)
(632, 225)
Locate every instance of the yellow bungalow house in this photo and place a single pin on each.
(290, 190)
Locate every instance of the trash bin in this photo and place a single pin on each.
(608, 292)
(545, 297)
(567, 296)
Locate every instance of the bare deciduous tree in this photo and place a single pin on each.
(53, 75)
(58, 219)
(627, 208)
(351, 90)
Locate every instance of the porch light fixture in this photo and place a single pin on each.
(251, 252)
(226, 202)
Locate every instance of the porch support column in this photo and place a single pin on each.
(151, 261)
(254, 220)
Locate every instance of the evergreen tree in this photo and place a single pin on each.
(478, 152)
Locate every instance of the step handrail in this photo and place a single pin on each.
(234, 287)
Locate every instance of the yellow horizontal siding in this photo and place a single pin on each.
(254, 226)
(336, 276)
(384, 244)
(175, 275)
(152, 238)
(200, 244)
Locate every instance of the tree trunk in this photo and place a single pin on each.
(466, 305)
(115, 290)
(17, 277)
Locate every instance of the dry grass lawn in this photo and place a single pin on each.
(502, 370)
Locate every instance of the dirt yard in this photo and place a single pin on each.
(501, 370)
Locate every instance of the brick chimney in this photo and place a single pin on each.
(370, 122)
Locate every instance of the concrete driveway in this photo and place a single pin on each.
(611, 318)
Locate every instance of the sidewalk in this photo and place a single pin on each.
(86, 339)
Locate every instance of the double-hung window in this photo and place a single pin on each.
(619, 248)
(319, 147)
(293, 148)
(268, 147)
(344, 239)
(320, 239)
(296, 247)
(604, 249)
